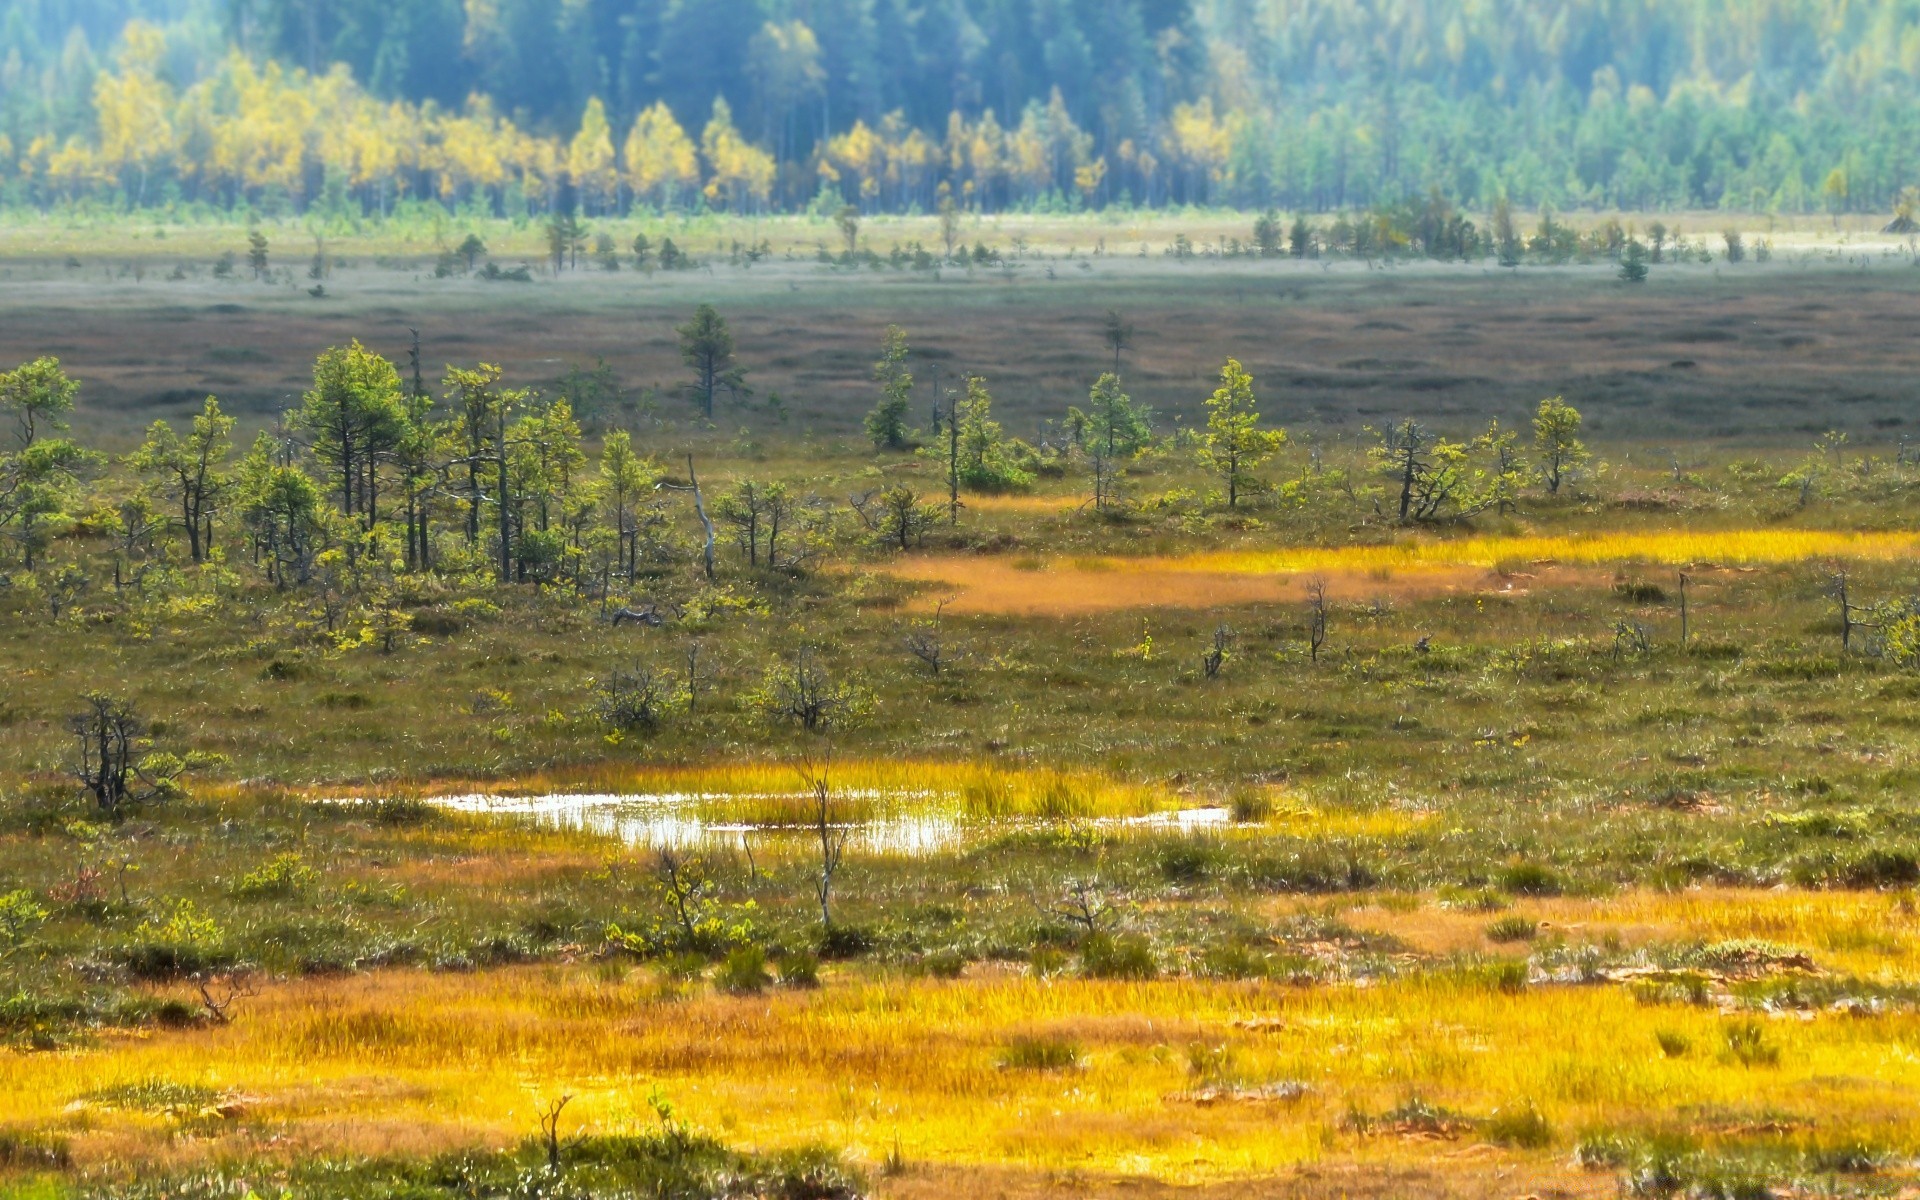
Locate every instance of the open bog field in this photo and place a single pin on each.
(481, 837)
(1752, 353)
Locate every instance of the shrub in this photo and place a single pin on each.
(945, 964)
(1602, 1152)
(845, 941)
(1213, 1065)
(1747, 1044)
(1507, 977)
(1047, 961)
(25, 1151)
(798, 970)
(1515, 928)
(1522, 1127)
(1673, 1045)
(1040, 1054)
(744, 972)
(1530, 879)
(399, 811)
(20, 915)
(1189, 859)
(1881, 868)
(1104, 956)
(1250, 805)
(285, 875)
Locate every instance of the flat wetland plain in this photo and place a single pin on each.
(1517, 885)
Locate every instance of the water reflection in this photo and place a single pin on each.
(902, 824)
(676, 821)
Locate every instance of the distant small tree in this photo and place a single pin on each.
(1268, 234)
(1234, 445)
(706, 344)
(472, 249)
(1556, 439)
(949, 220)
(1119, 337)
(1736, 246)
(257, 253)
(642, 250)
(1506, 238)
(1633, 262)
(1300, 238)
(887, 423)
(848, 219)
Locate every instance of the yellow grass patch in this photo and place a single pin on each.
(1744, 547)
(776, 792)
(407, 1061)
(1866, 934)
(1408, 569)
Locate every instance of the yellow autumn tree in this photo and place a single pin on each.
(134, 110)
(740, 174)
(661, 162)
(1200, 142)
(590, 158)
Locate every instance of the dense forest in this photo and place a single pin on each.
(518, 106)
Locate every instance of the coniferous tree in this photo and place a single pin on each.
(887, 423)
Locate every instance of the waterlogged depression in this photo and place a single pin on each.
(891, 823)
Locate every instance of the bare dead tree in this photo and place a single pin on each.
(1085, 904)
(108, 732)
(683, 881)
(648, 616)
(927, 641)
(630, 698)
(1217, 654)
(1631, 637)
(805, 692)
(815, 775)
(1684, 581)
(700, 509)
(693, 676)
(1849, 611)
(218, 994)
(550, 1131)
(1316, 616)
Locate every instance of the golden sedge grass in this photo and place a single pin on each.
(365, 1064)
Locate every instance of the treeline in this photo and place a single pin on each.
(520, 106)
(377, 476)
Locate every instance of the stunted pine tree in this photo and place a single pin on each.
(188, 471)
(887, 423)
(625, 478)
(356, 419)
(706, 344)
(1556, 439)
(984, 462)
(40, 478)
(1234, 445)
(1113, 422)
